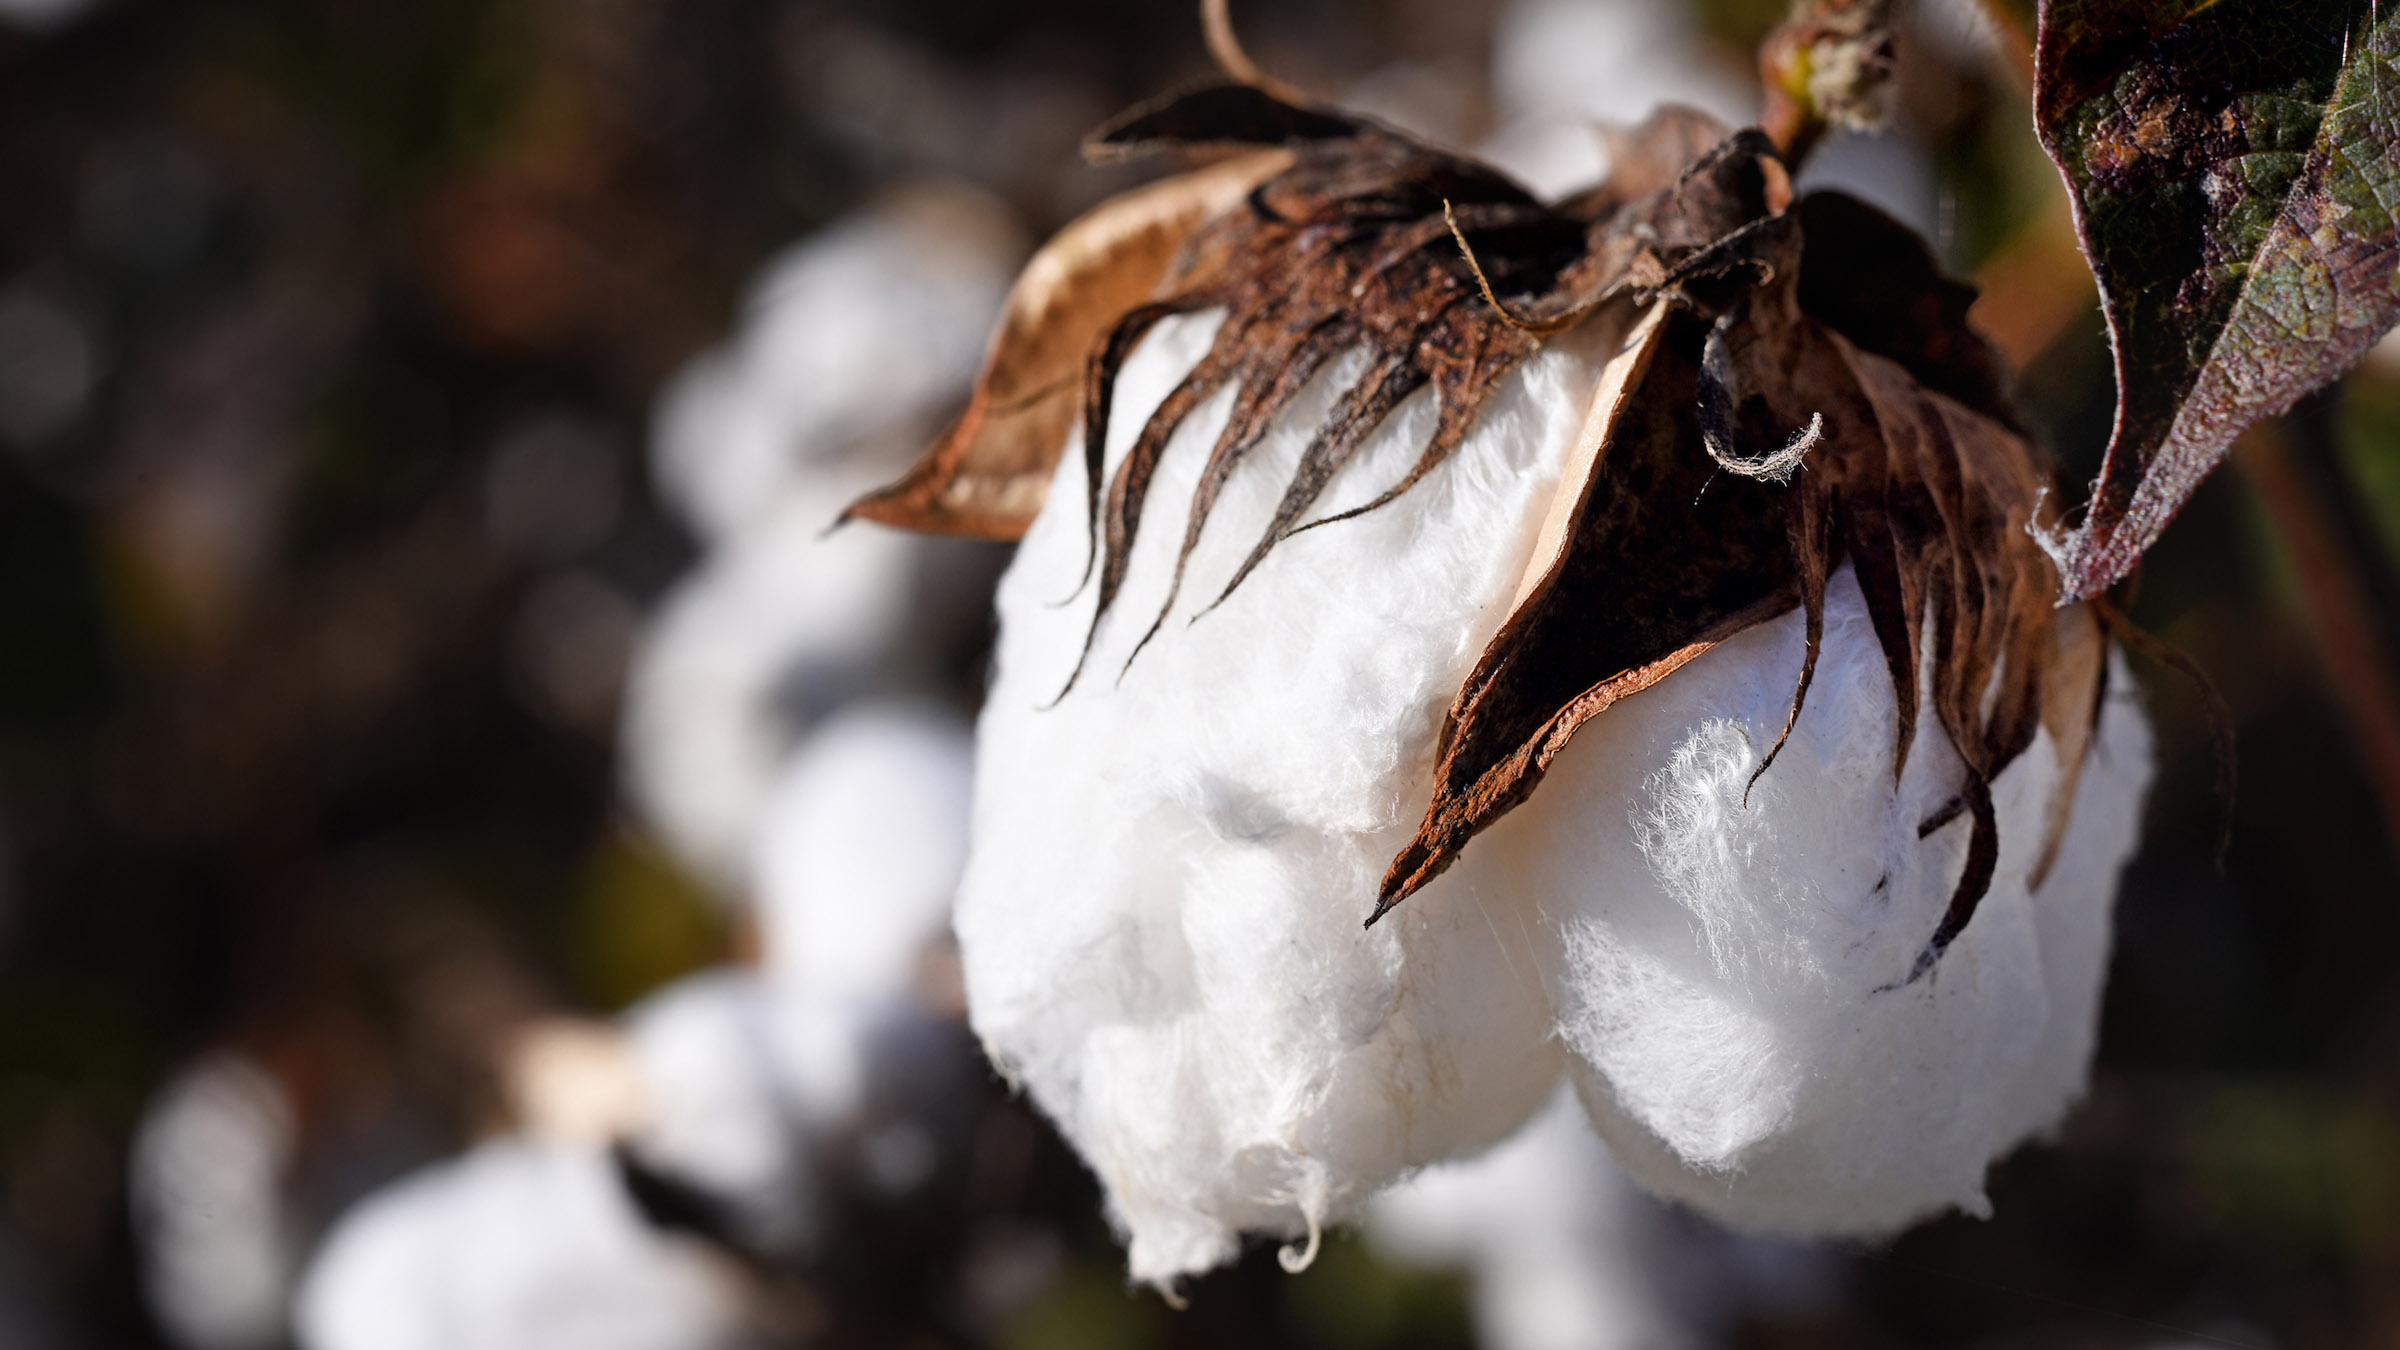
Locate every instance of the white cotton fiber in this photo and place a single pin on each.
(1728, 978)
(862, 334)
(514, 1246)
(1160, 921)
(859, 850)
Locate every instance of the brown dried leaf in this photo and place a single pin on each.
(2073, 686)
(1668, 552)
(987, 478)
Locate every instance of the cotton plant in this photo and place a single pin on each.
(724, 1125)
(1632, 608)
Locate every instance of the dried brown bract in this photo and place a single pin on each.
(1797, 388)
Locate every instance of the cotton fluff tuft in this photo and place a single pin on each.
(515, 1246)
(1160, 918)
(1730, 978)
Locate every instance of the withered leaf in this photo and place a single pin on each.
(1926, 494)
(2234, 166)
(988, 476)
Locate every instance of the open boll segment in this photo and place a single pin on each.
(1730, 978)
(1160, 916)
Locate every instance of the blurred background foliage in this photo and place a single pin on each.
(329, 335)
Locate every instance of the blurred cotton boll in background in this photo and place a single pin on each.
(777, 626)
(516, 1246)
(1563, 70)
(736, 1120)
(208, 1181)
(861, 845)
(1566, 1255)
(855, 344)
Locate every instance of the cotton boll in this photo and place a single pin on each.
(860, 847)
(207, 1184)
(1562, 68)
(715, 1113)
(782, 622)
(1160, 918)
(1730, 978)
(515, 1246)
(1558, 1242)
(863, 332)
(2074, 908)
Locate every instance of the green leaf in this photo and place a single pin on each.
(2235, 170)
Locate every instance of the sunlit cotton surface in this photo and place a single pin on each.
(1160, 918)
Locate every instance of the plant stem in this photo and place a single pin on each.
(2347, 579)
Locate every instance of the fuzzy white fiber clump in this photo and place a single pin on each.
(1160, 918)
(1729, 979)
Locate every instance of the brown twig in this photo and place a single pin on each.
(2347, 580)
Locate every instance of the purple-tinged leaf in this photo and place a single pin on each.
(2235, 172)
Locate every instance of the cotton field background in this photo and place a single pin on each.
(477, 854)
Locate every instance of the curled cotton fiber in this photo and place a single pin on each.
(515, 1246)
(1731, 978)
(1160, 917)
